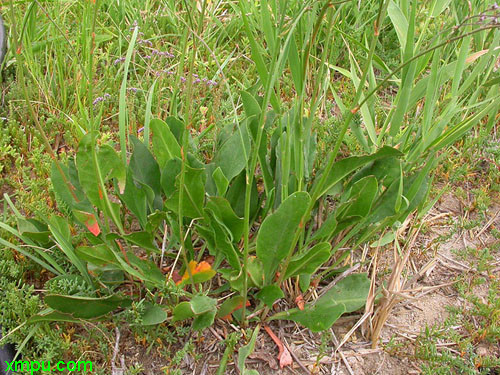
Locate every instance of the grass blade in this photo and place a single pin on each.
(147, 116)
(122, 106)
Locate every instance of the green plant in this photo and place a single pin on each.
(262, 209)
(136, 369)
(18, 303)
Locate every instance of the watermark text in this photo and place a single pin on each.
(34, 366)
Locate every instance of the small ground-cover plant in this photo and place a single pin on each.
(478, 331)
(263, 211)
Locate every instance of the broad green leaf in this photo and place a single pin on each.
(274, 240)
(204, 320)
(194, 193)
(211, 186)
(256, 271)
(269, 204)
(221, 181)
(224, 134)
(169, 174)
(223, 243)
(223, 211)
(385, 170)
(149, 271)
(201, 307)
(109, 275)
(111, 166)
(310, 261)
(348, 295)
(207, 234)
(351, 291)
(415, 189)
(251, 106)
(85, 307)
(202, 276)
(139, 268)
(233, 155)
(88, 171)
(156, 220)
(182, 311)
(176, 127)
(98, 255)
(165, 146)
(417, 186)
(60, 225)
(66, 187)
(235, 279)
(193, 160)
(362, 194)
(270, 294)
(345, 166)
(93, 171)
(304, 282)
(145, 240)
(236, 196)
(385, 205)
(153, 315)
(135, 198)
(317, 317)
(145, 170)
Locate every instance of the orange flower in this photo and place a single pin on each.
(195, 268)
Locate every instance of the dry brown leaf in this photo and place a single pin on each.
(284, 355)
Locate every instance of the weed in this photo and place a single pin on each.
(209, 160)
